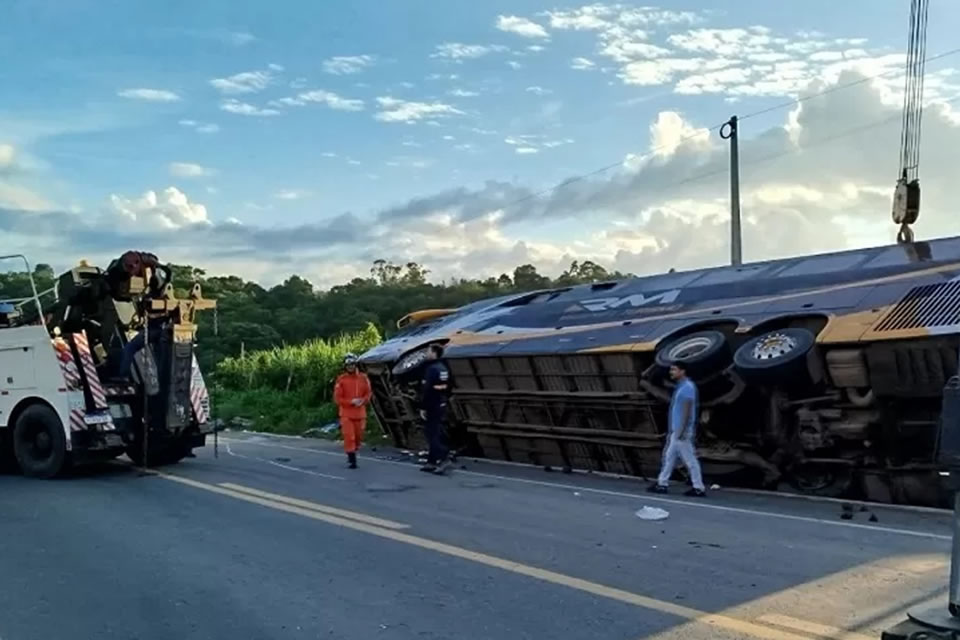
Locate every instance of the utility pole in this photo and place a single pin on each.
(729, 132)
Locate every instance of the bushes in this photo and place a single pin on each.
(286, 389)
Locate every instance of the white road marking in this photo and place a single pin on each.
(813, 628)
(651, 498)
(278, 464)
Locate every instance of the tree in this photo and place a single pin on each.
(526, 278)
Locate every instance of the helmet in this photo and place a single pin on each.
(350, 358)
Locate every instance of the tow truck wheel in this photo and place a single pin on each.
(39, 443)
(158, 456)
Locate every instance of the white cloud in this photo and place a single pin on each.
(587, 18)
(189, 170)
(18, 197)
(245, 82)
(200, 127)
(513, 64)
(653, 47)
(328, 98)
(245, 109)
(521, 27)
(536, 48)
(298, 83)
(150, 95)
(539, 91)
(7, 155)
(396, 110)
(459, 51)
(291, 194)
(526, 150)
(670, 131)
(463, 93)
(657, 72)
(342, 65)
(409, 162)
(826, 56)
(328, 154)
(170, 209)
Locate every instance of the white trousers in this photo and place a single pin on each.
(685, 450)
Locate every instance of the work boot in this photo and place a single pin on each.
(352, 458)
(695, 493)
(656, 488)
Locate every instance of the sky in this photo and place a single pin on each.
(266, 139)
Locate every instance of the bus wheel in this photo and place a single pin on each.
(775, 356)
(703, 352)
(39, 442)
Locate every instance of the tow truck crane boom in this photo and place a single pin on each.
(906, 196)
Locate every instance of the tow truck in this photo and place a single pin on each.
(65, 399)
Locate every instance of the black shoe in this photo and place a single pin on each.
(428, 467)
(656, 488)
(352, 458)
(695, 493)
(442, 468)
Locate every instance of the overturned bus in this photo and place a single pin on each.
(819, 373)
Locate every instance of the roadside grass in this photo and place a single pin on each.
(288, 390)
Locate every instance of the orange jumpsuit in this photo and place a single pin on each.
(353, 419)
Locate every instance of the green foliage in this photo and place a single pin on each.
(287, 389)
(272, 411)
(309, 368)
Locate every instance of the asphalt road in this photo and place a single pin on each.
(276, 538)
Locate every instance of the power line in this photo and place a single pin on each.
(716, 127)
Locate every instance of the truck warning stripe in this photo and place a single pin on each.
(93, 380)
(199, 398)
(68, 367)
(76, 420)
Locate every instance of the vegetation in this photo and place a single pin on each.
(286, 389)
(272, 354)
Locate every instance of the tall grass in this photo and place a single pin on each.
(286, 389)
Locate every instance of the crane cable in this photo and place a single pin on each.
(907, 194)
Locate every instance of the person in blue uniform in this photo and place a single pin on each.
(433, 410)
(681, 434)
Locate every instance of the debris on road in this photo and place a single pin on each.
(652, 513)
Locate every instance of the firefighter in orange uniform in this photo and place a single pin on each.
(352, 394)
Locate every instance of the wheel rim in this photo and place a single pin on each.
(689, 348)
(773, 346)
(36, 442)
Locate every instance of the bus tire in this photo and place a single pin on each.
(775, 355)
(703, 352)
